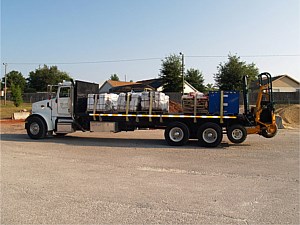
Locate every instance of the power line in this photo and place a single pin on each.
(145, 59)
(84, 62)
(250, 56)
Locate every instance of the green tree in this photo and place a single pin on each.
(195, 78)
(16, 78)
(16, 94)
(230, 74)
(210, 87)
(171, 73)
(114, 77)
(40, 78)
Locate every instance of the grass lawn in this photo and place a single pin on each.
(7, 110)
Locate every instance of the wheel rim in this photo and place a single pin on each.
(176, 134)
(237, 134)
(210, 135)
(272, 129)
(34, 128)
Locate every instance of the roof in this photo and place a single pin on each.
(137, 87)
(155, 83)
(283, 76)
(254, 84)
(141, 85)
(115, 83)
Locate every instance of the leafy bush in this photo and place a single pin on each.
(16, 94)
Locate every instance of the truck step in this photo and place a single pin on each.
(65, 121)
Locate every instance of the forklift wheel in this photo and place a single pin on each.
(271, 132)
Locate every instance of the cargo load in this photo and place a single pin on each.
(195, 102)
(230, 102)
(102, 102)
(137, 102)
(160, 101)
(134, 102)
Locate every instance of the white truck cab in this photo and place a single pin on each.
(54, 114)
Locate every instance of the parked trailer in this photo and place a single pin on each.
(67, 113)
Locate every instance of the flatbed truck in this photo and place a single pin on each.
(67, 113)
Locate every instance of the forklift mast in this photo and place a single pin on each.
(245, 95)
(266, 92)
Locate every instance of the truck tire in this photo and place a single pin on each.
(267, 134)
(177, 134)
(209, 135)
(36, 128)
(237, 133)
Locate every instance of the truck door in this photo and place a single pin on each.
(64, 103)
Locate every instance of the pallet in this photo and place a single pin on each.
(201, 107)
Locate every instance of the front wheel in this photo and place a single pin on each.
(236, 133)
(271, 132)
(36, 128)
(209, 135)
(177, 134)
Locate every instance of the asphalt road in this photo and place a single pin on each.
(134, 177)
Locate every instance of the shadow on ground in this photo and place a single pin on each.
(108, 142)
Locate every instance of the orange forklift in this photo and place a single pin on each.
(261, 118)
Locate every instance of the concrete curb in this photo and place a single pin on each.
(20, 115)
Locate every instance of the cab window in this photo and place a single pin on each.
(64, 92)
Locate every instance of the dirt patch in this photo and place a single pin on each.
(8, 122)
(175, 107)
(12, 126)
(289, 114)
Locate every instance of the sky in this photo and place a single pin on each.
(92, 39)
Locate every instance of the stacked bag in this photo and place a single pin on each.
(134, 102)
(104, 102)
(160, 101)
(137, 102)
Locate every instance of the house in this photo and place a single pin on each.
(285, 83)
(107, 85)
(151, 84)
(281, 83)
(188, 88)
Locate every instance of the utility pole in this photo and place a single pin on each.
(5, 67)
(182, 70)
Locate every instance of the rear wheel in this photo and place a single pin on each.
(236, 133)
(36, 128)
(209, 135)
(177, 134)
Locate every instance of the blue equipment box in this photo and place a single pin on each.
(230, 102)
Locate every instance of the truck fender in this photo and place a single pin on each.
(47, 121)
